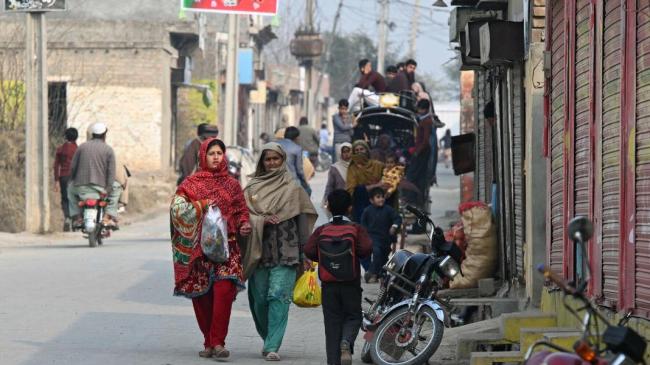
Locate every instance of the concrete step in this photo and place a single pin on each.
(561, 336)
(512, 323)
(470, 343)
(489, 358)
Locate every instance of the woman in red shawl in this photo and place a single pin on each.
(211, 286)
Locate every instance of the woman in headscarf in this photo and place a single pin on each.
(282, 218)
(419, 91)
(211, 286)
(364, 174)
(336, 178)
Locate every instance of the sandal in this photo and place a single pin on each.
(207, 353)
(220, 352)
(264, 353)
(273, 356)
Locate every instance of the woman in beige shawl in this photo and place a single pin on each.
(282, 217)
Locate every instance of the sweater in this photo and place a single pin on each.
(378, 220)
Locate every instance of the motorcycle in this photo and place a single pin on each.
(617, 345)
(93, 215)
(405, 324)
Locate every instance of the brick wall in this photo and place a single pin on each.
(538, 18)
(117, 73)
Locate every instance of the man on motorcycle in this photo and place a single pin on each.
(92, 175)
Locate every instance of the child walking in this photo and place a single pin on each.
(382, 222)
(337, 247)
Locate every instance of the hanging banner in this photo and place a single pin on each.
(258, 7)
(34, 5)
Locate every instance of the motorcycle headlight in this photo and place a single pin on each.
(449, 267)
(232, 170)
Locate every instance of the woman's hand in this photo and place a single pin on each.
(272, 219)
(245, 229)
(306, 265)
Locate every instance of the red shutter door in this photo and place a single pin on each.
(642, 251)
(611, 148)
(558, 68)
(582, 149)
(611, 142)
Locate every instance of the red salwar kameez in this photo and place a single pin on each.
(211, 286)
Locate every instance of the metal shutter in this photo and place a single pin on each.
(611, 144)
(557, 134)
(642, 253)
(581, 149)
(519, 213)
(582, 124)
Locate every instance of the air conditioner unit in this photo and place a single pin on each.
(464, 2)
(502, 42)
(473, 39)
(467, 63)
(458, 18)
(492, 4)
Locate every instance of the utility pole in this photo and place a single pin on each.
(230, 124)
(37, 200)
(309, 92)
(414, 29)
(383, 33)
(328, 47)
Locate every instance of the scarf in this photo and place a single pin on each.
(214, 185)
(272, 193)
(193, 273)
(363, 170)
(340, 165)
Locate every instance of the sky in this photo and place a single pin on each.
(432, 47)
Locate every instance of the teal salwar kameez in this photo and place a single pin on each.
(270, 290)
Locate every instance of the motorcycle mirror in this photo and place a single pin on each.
(580, 229)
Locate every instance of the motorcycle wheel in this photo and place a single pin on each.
(387, 349)
(366, 357)
(92, 238)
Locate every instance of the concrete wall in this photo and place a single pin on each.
(117, 72)
(535, 168)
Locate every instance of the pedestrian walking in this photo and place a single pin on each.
(343, 127)
(381, 221)
(445, 144)
(340, 275)
(338, 174)
(309, 140)
(294, 157)
(62, 169)
(363, 175)
(211, 286)
(418, 171)
(282, 217)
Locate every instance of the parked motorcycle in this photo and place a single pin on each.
(617, 345)
(93, 215)
(405, 324)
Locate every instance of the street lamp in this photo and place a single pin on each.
(440, 4)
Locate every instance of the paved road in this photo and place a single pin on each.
(64, 303)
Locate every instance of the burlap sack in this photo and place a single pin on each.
(481, 254)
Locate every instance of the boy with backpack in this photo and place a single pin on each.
(337, 247)
(382, 222)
